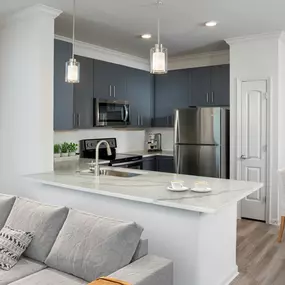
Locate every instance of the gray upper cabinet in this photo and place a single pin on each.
(140, 96)
(200, 86)
(109, 80)
(210, 86)
(171, 92)
(63, 92)
(220, 83)
(83, 95)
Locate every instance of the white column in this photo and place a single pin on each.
(26, 91)
(261, 57)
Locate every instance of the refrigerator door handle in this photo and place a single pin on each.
(177, 159)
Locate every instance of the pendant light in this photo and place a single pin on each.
(158, 54)
(72, 67)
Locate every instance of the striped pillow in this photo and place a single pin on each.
(13, 243)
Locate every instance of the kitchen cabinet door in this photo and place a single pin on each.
(165, 164)
(119, 81)
(63, 92)
(83, 94)
(149, 163)
(140, 96)
(200, 86)
(102, 80)
(220, 85)
(171, 92)
(109, 80)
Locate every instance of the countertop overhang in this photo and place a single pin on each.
(151, 188)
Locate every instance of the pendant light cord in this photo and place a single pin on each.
(158, 3)
(73, 30)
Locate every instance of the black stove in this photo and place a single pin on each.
(88, 150)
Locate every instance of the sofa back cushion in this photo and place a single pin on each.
(6, 204)
(90, 246)
(44, 221)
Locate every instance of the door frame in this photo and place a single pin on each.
(238, 91)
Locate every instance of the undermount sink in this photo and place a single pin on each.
(109, 172)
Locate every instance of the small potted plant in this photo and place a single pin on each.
(56, 150)
(72, 147)
(64, 149)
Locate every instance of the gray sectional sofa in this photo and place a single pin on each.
(71, 247)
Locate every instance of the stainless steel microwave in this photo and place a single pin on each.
(111, 113)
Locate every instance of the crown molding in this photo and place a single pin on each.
(257, 37)
(199, 60)
(35, 10)
(105, 54)
(30, 12)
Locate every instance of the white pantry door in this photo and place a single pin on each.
(252, 145)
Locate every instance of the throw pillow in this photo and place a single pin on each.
(12, 245)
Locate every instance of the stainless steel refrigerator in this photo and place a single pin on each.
(201, 142)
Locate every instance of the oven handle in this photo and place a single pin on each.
(127, 113)
(127, 163)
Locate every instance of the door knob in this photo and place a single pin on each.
(243, 157)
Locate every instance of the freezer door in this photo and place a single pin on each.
(198, 126)
(200, 160)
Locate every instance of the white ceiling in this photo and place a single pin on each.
(117, 24)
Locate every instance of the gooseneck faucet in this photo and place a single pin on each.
(109, 152)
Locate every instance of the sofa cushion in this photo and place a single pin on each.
(6, 204)
(44, 221)
(50, 277)
(12, 245)
(90, 246)
(22, 269)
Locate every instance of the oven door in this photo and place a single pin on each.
(111, 113)
(132, 164)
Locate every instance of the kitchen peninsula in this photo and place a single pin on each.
(196, 231)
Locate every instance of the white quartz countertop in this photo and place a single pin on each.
(151, 187)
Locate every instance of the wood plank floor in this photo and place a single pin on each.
(261, 260)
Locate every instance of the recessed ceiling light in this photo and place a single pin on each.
(146, 36)
(211, 24)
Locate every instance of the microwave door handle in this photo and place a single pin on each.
(122, 114)
(127, 113)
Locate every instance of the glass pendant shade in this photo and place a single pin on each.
(72, 71)
(158, 60)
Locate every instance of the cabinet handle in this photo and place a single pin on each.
(141, 120)
(212, 97)
(74, 120)
(78, 120)
(207, 97)
(167, 120)
(138, 120)
(114, 91)
(110, 90)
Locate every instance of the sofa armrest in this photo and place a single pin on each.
(149, 270)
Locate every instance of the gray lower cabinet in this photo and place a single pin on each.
(171, 92)
(140, 96)
(209, 86)
(83, 95)
(165, 164)
(109, 80)
(159, 163)
(63, 92)
(150, 164)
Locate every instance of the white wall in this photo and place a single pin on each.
(258, 57)
(26, 91)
